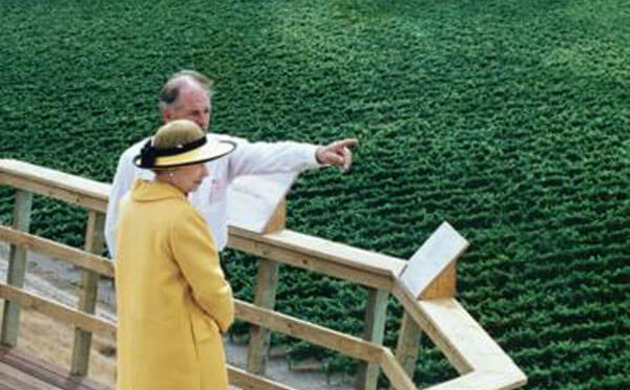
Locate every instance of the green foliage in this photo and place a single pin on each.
(507, 118)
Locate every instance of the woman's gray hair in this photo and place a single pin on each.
(170, 92)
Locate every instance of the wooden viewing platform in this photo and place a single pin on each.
(424, 286)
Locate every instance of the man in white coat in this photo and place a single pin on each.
(188, 95)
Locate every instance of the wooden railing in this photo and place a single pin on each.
(482, 364)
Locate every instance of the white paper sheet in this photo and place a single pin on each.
(253, 199)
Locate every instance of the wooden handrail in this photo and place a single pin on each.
(320, 256)
(69, 254)
(394, 372)
(56, 310)
(325, 250)
(482, 363)
(72, 189)
(318, 335)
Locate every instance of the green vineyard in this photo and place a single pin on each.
(509, 119)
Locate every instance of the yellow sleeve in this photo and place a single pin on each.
(196, 254)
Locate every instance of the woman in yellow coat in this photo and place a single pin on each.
(173, 299)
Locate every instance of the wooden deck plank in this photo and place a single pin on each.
(14, 379)
(45, 372)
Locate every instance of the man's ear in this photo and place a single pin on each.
(166, 115)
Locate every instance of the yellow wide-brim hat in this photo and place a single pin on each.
(199, 150)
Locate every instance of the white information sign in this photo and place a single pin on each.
(444, 246)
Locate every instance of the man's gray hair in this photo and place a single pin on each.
(170, 92)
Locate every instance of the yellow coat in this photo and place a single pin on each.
(173, 299)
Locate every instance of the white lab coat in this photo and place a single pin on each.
(210, 198)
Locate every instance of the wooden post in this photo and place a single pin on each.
(408, 343)
(375, 316)
(265, 296)
(88, 294)
(266, 284)
(17, 267)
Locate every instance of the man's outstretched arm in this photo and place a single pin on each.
(269, 158)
